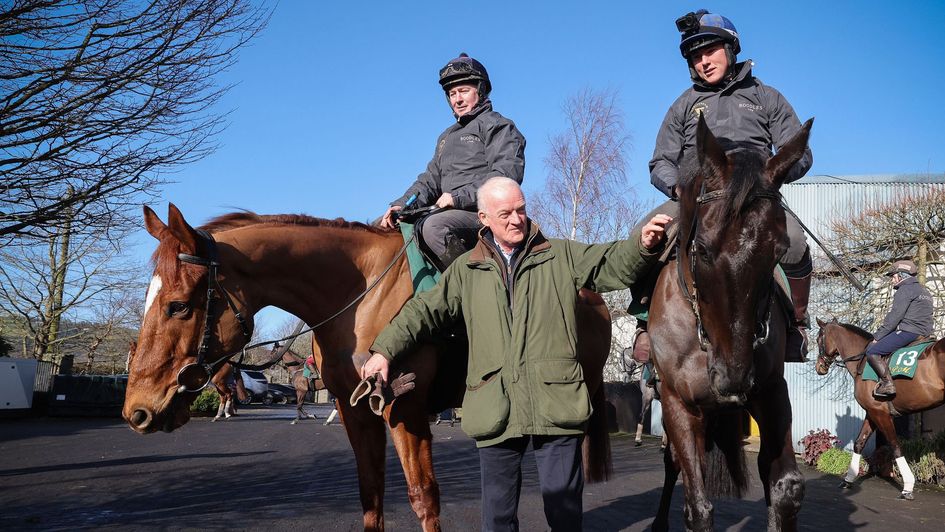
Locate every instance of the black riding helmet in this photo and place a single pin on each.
(465, 69)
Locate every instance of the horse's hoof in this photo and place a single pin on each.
(662, 448)
(906, 496)
(294, 421)
(214, 420)
(844, 485)
(637, 443)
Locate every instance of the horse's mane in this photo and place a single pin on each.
(856, 330)
(748, 162)
(165, 256)
(236, 220)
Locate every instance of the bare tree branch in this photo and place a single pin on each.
(106, 97)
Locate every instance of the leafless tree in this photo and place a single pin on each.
(587, 196)
(70, 275)
(101, 98)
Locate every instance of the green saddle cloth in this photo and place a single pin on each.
(902, 362)
(423, 274)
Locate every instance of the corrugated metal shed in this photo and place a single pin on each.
(819, 200)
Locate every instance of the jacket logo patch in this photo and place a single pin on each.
(470, 138)
(439, 147)
(699, 109)
(750, 106)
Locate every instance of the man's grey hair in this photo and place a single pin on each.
(487, 190)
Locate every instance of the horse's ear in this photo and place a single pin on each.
(179, 227)
(778, 167)
(712, 158)
(153, 224)
(820, 323)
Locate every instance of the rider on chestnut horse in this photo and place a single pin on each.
(909, 318)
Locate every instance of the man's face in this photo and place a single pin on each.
(710, 63)
(504, 215)
(463, 98)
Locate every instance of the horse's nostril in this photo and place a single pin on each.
(140, 418)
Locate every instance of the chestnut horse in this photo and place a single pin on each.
(718, 328)
(333, 274)
(923, 391)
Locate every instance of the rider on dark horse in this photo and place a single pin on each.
(481, 144)
(739, 110)
(909, 318)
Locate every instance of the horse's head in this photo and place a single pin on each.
(828, 347)
(182, 334)
(732, 234)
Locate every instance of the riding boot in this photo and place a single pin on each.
(886, 387)
(796, 350)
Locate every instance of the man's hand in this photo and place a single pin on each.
(445, 201)
(654, 231)
(386, 221)
(378, 363)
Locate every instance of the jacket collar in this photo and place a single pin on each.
(486, 248)
(741, 71)
(481, 107)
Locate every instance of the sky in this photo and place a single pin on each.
(336, 105)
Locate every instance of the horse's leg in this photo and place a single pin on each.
(854, 470)
(368, 439)
(884, 424)
(777, 466)
(647, 401)
(220, 408)
(413, 440)
(670, 476)
(687, 441)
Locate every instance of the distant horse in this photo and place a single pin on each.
(925, 390)
(639, 371)
(332, 273)
(295, 364)
(718, 330)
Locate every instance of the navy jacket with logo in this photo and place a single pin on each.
(480, 145)
(911, 310)
(743, 111)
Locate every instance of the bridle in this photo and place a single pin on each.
(827, 360)
(763, 328)
(196, 376)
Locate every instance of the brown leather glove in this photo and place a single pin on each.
(381, 396)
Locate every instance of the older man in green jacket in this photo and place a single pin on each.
(516, 292)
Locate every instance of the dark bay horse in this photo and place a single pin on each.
(718, 329)
(924, 391)
(313, 268)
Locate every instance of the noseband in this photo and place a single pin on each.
(763, 325)
(195, 376)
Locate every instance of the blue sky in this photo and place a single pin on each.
(337, 106)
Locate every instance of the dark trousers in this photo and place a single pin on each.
(560, 476)
(889, 343)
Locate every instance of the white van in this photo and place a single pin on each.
(256, 384)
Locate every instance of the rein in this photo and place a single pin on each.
(693, 296)
(199, 373)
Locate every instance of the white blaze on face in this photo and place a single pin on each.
(153, 290)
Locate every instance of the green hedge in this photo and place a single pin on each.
(208, 401)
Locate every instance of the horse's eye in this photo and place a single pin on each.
(177, 308)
